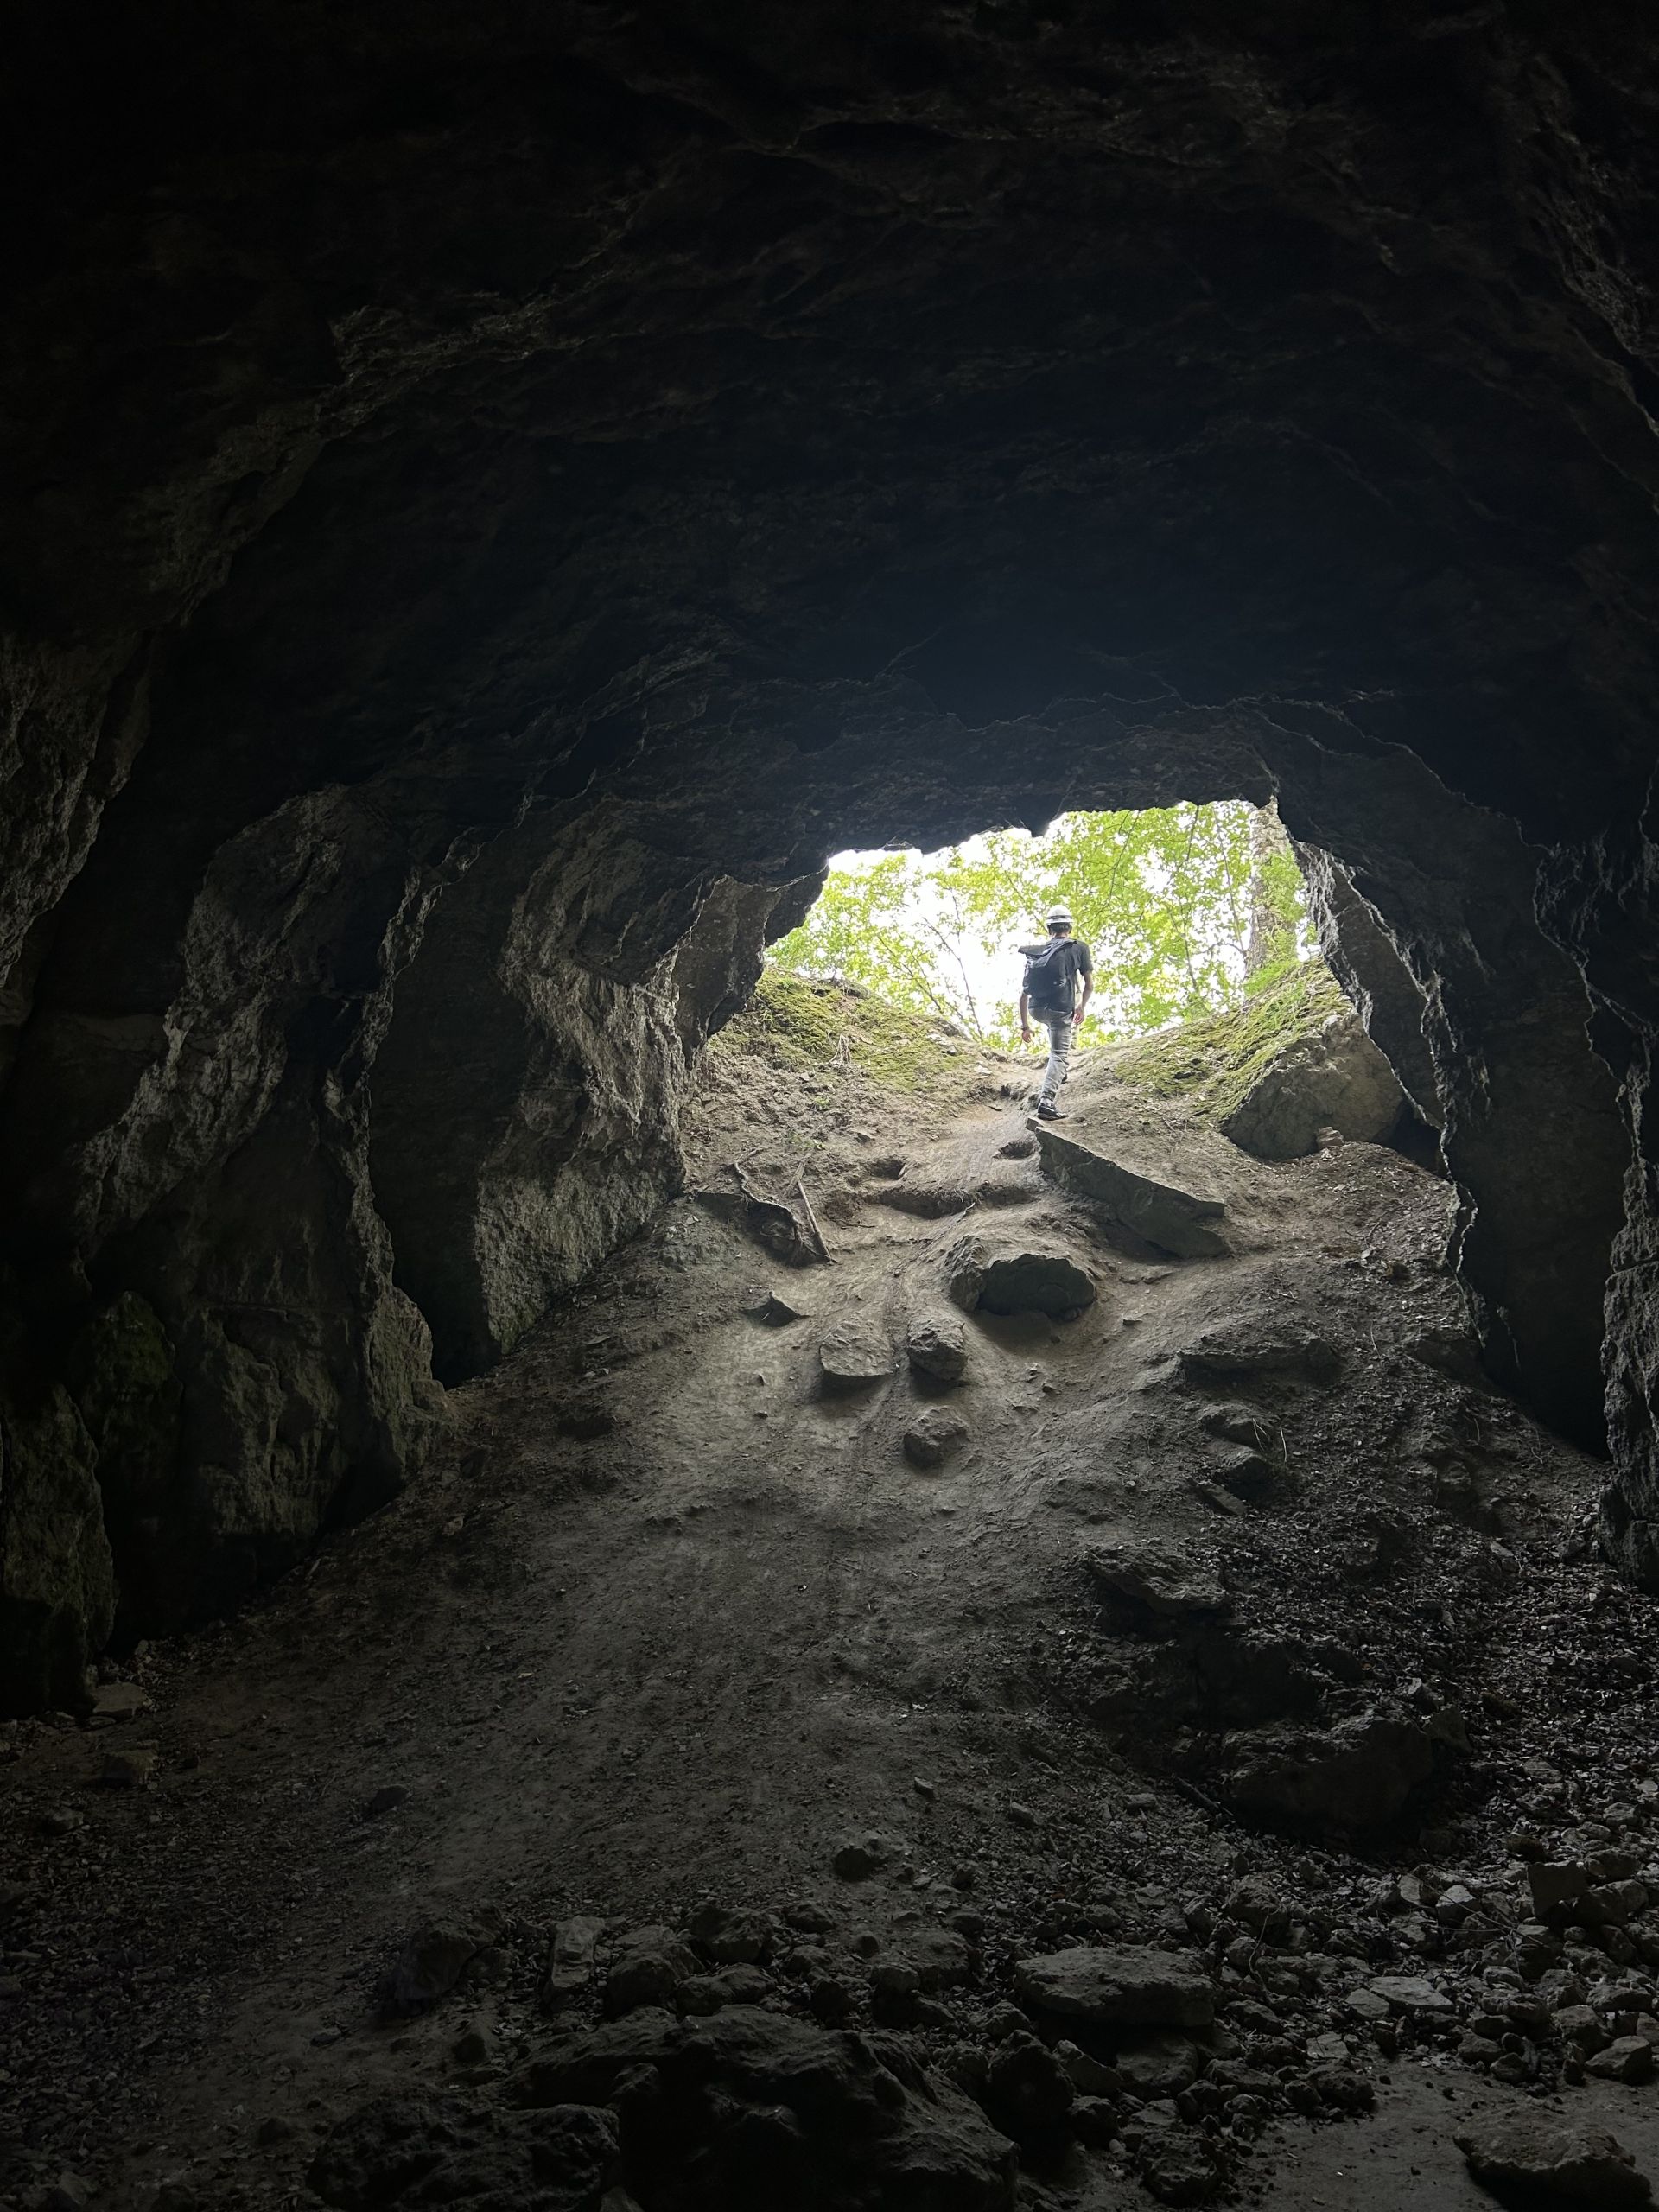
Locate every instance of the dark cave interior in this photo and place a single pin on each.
(489, 500)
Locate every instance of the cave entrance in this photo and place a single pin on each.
(1188, 910)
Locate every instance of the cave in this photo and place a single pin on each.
(493, 499)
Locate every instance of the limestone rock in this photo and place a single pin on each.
(1626, 2058)
(1411, 1994)
(1245, 1349)
(933, 1436)
(938, 1347)
(570, 1959)
(57, 1594)
(1186, 1223)
(1029, 2086)
(1159, 2065)
(1157, 1579)
(119, 1701)
(853, 1354)
(1356, 1777)
(1336, 1079)
(1554, 2162)
(430, 1964)
(860, 1857)
(730, 1935)
(776, 2110)
(1181, 2171)
(650, 1966)
(1003, 1278)
(1117, 1986)
(399, 2151)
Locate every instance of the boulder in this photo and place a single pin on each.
(1335, 1078)
(853, 1354)
(764, 2110)
(1410, 1994)
(939, 1349)
(1120, 1985)
(1355, 1776)
(860, 1857)
(1146, 1204)
(430, 1964)
(1157, 1581)
(570, 1959)
(1244, 1350)
(999, 1278)
(1181, 2170)
(731, 1935)
(1535, 2157)
(1159, 2065)
(1626, 2058)
(1027, 2085)
(650, 1966)
(933, 1436)
(447, 2150)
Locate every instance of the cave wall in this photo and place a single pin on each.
(526, 1101)
(487, 504)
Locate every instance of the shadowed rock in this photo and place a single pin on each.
(1156, 1580)
(939, 1349)
(933, 1436)
(1121, 1985)
(1357, 1776)
(1528, 2159)
(1336, 1080)
(766, 2111)
(1178, 1221)
(447, 2150)
(854, 1356)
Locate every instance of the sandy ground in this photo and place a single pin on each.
(666, 1621)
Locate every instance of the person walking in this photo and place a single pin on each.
(1048, 994)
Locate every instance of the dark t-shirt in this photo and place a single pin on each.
(1054, 990)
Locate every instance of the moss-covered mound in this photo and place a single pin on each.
(1214, 1065)
(795, 1021)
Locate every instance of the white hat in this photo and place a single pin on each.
(1059, 914)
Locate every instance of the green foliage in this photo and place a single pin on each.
(1170, 900)
(1213, 1064)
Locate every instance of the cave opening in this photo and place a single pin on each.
(1187, 911)
(489, 499)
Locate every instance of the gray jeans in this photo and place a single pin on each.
(1060, 1034)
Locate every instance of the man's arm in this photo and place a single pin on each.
(1025, 1015)
(1088, 974)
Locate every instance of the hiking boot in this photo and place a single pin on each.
(1047, 1113)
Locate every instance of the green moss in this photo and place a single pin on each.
(1213, 1064)
(799, 1023)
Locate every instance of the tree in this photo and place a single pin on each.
(1173, 901)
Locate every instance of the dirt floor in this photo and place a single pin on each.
(670, 1621)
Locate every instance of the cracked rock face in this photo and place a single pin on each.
(489, 502)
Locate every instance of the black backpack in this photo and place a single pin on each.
(1049, 972)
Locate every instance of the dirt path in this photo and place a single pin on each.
(667, 1622)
